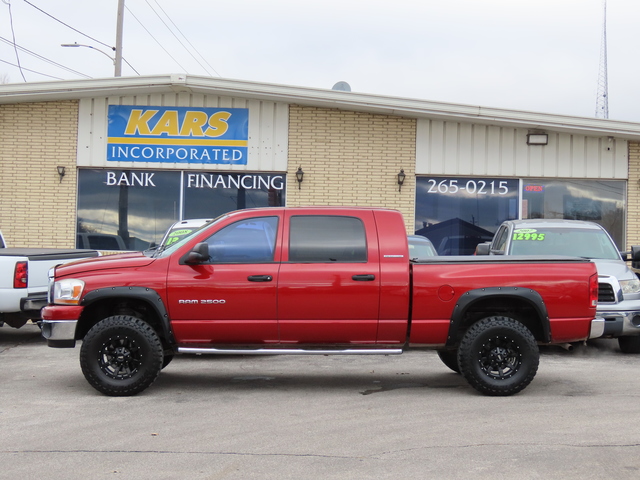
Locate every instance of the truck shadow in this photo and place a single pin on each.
(199, 382)
(181, 379)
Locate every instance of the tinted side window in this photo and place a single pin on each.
(321, 238)
(247, 241)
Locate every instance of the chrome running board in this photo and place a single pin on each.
(291, 351)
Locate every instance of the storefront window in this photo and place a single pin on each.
(458, 213)
(132, 209)
(207, 195)
(129, 209)
(599, 201)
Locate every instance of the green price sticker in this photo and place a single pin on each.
(528, 234)
(179, 233)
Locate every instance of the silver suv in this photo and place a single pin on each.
(618, 285)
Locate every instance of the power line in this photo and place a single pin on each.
(29, 70)
(40, 57)
(13, 35)
(81, 33)
(69, 26)
(184, 36)
(154, 38)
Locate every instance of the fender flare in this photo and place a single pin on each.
(148, 295)
(471, 297)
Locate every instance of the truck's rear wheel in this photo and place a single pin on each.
(121, 356)
(498, 356)
(450, 359)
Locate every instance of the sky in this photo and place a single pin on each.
(541, 56)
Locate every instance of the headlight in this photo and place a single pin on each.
(630, 286)
(68, 292)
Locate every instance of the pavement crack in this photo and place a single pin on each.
(178, 452)
(482, 445)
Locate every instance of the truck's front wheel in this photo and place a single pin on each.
(629, 344)
(498, 356)
(121, 356)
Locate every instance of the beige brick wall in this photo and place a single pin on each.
(36, 208)
(633, 196)
(351, 159)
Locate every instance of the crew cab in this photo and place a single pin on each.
(316, 281)
(618, 285)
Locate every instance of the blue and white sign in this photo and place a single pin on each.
(178, 134)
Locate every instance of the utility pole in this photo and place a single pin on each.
(118, 48)
(602, 98)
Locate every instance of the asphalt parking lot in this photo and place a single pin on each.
(322, 417)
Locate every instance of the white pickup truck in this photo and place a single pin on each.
(24, 278)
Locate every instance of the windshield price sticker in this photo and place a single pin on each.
(474, 187)
(530, 234)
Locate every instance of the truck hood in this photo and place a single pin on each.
(614, 268)
(122, 260)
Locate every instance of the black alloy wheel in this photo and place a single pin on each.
(498, 356)
(121, 355)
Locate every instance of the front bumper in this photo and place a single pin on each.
(60, 333)
(59, 325)
(618, 324)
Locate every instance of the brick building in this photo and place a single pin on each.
(124, 158)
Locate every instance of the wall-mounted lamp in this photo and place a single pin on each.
(299, 176)
(537, 139)
(401, 177)
(61, 171)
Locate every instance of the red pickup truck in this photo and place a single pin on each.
(317, 280)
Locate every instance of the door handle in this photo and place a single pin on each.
(364, 278)
(259, 278)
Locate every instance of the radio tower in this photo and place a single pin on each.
(602, 99)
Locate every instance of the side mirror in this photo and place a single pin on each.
(483, 249)
(199, 254)
(635, 257)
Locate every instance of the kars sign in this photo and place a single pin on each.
(178, 134)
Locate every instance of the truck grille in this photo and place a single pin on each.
(606, 293)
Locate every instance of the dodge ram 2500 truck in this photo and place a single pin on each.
(316, 280)
(24, 279)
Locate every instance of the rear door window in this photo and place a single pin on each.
(326, 238)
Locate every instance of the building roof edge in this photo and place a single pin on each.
(308, 96)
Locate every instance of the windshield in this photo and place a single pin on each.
(419, 249)
(168, 249)
(177, 233)
(575, 242)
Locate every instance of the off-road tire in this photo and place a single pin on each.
(498, 356)
(629, 344)
(166, 360)
(450, 359)
(121, 356)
